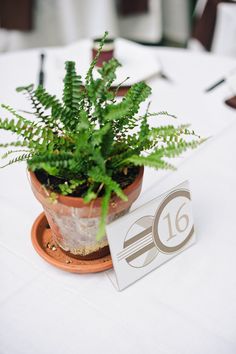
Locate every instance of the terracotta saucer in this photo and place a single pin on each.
(42, 241)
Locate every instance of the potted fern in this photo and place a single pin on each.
(85, 154)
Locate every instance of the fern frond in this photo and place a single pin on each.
(14, 143)
(23, 157)
(64, 114)
(90, 195)
(48, 101)
(104, 211)
(144, 131)
(97, 176)
(137, 94)
(175, 149)
(23, 128)
(108, 75)
(61, 160)
(70, 187)
(18, 116)
(10, 152)
(117, 112)
(98, 135)
(72, 92)
(27, 88)
(161, 113)
(36, 105)
(150, 161)
(89, 75)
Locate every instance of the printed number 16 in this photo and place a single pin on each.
(185, 222)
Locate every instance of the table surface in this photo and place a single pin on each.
(185, 306)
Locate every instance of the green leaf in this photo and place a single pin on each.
(72, 93)
(90, 195)
(97, 176)
(104, 212)
(137, 94)
(151, 161)
(69, 187)
(89, 76)
(117, 111)
(25, 88)
(23, 157)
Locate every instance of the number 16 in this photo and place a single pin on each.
(178, 219)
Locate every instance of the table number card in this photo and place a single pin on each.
(151, 235)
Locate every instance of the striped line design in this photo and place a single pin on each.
(138, 244)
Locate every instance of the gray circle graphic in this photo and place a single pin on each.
(156, 237)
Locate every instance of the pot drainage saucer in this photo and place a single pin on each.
(42, 241)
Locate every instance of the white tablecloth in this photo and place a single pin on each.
(187, 305)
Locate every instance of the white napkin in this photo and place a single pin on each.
(138, 62)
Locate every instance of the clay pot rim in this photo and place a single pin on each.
(78, 202)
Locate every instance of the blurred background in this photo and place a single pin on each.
(206, 25)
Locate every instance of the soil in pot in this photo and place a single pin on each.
(52, 182)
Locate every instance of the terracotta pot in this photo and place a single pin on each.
(74, 224)
(107, 51)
